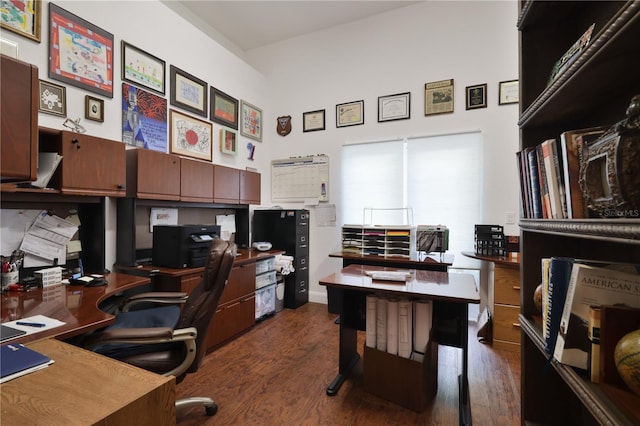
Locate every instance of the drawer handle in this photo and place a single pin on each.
(516, 287)
(516, 324)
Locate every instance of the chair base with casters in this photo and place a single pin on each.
(170, 339)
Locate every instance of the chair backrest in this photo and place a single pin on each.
(203, 300)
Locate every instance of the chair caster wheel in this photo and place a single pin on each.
(212, 410)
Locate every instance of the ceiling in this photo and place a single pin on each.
(252, 24)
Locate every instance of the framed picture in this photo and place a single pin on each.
(224, 109)
(22, 17)
(251, 121)
(80, 54)
(142, 68)
(144, 118)
(438, 97)
(228, 141)
(52, 99)
(509, 92)
(313, 121)
(476, 96)
(394, 107)
(188, 92)
(190, 136)
(93, 108)
(350, 114)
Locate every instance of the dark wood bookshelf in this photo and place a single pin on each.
(595, 90)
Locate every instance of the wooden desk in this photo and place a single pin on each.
(450, 293)
(84, 388)
(503, 276)
(430, 263)
(76, 306)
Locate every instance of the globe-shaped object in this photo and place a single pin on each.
(537, 298)
(627, 358)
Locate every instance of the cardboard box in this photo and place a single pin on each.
(406, 382)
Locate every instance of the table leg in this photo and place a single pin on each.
(463, 379)
(347, 358)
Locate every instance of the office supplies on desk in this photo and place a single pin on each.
(7, 332)
(26, 325)
(18, 360)
(389, 275)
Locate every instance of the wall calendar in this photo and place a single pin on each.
(300, 179)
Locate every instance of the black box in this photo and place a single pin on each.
(182, 246)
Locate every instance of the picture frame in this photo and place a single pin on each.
(142, 68)
(188, 92)
(251, 121)
(509, 92)
(394, 107)
(80, 53)
(144, 118)
(52, 98)
(228, 141)
(223, 108)
(25, 20)
(350, 114)
(190, 136)
(438, 97)
(476, 96)
(313, 121)
(93, 108)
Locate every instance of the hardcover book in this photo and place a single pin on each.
(17, 360)
(589, 285)
(559, 274)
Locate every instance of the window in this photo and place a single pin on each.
(438, 177)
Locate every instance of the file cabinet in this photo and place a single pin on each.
(288, 230)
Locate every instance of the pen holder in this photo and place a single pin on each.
(11, 277)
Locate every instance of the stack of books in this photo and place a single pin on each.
(17, 360)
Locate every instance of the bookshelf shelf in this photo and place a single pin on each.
(594, 90)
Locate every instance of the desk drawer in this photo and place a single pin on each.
(242, 281)
(505, 323)
(506, 286)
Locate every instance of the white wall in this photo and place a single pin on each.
(473, 42)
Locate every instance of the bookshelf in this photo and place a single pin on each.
(594, 90)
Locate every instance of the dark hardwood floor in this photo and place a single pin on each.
(277, 373)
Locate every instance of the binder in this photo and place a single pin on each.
(18, 360)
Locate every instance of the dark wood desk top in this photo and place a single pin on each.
(77, 306)
(445, 259)
(433, 285)
(513, 261)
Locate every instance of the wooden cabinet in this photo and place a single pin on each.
(249, 187)
(19, 121)
(226, 184)
(153, 175)
(196, 181)
(237, 308)
(594, 90)
(506, 306)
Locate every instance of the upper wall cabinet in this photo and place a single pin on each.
(226, 184)
(90, 165)
(153, 175)
(196, 181)
(19, 120)
(249, 187)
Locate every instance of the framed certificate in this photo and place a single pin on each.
(313, 121)
(350, 114)
(509, 92)
(394, 107)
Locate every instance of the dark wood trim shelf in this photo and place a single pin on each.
(616, 230)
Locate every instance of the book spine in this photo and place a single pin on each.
(594, 338)
(559, 273)
(552, 180)
(544, 187)
(558, 166)
(535, 184)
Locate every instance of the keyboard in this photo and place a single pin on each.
(388, 275)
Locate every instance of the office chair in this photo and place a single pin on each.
(168, 340)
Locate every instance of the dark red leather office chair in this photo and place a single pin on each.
(166, 339)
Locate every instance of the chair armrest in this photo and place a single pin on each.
(168, 298)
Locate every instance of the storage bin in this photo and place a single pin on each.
(265, 279)
(406, 382)
(265, 265)
(265, 302)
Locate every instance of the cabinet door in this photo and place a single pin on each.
(226, 184)
(19, 121)
(92, 165)
(242, 281)
(196, 181)
(249, 187)
(155, 175)
(231, 319)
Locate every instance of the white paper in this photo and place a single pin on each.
(162, 216)
(40, 319)
(405, 328)
(422, 326)
(371, 321)
(325, 214)
(227, 224)
(381, 324)
(14, 224)
(392, 327)
(48, 237)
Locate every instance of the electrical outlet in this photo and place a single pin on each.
(510, 218)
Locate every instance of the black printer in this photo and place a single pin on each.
(182, 246)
